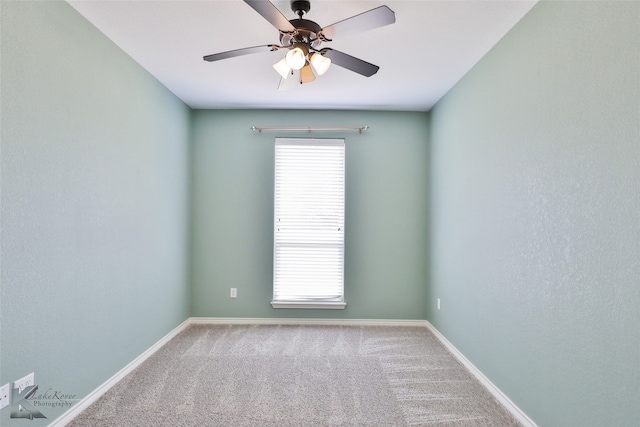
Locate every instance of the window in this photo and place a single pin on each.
(309, 223)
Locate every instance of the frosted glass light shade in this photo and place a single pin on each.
(282, 68)
(296, 58)
(306, 74)
(320, 63)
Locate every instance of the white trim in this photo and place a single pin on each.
(326, 305)
(495, 391)
(299, 321)
(83, 404)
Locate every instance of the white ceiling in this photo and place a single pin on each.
(429, 48)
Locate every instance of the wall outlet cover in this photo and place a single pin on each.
(24, 382)
(4, 395)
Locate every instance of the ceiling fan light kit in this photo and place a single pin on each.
(302, 38)
(320, 63)
(283, 68)
(297, 57)
(306, 74)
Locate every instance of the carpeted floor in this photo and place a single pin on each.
(278, 376)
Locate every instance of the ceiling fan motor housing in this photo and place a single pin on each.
(306, 32)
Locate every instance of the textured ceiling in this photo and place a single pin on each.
(429, 48)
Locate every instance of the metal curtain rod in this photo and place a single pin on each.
(309, 128)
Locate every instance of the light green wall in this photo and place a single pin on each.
(536, 214)
(94, 187)
(386, 206)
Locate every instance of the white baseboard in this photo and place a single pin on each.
(83, 404)
(303, 321)
(495, 391)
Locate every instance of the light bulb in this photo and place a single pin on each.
(296, 58)
(282, 68)
(320, 63)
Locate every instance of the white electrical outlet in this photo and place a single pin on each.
(438, 303)
(233, 293)
(4, 395)
(24, 382)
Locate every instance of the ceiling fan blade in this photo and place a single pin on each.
(290, 82)
(374, 18)
(350, 62)
(271, 14)
(239, 52)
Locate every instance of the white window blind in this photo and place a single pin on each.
(309, 221)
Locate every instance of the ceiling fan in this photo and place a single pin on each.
(302, 39)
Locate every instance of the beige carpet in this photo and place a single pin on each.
(277, 376)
